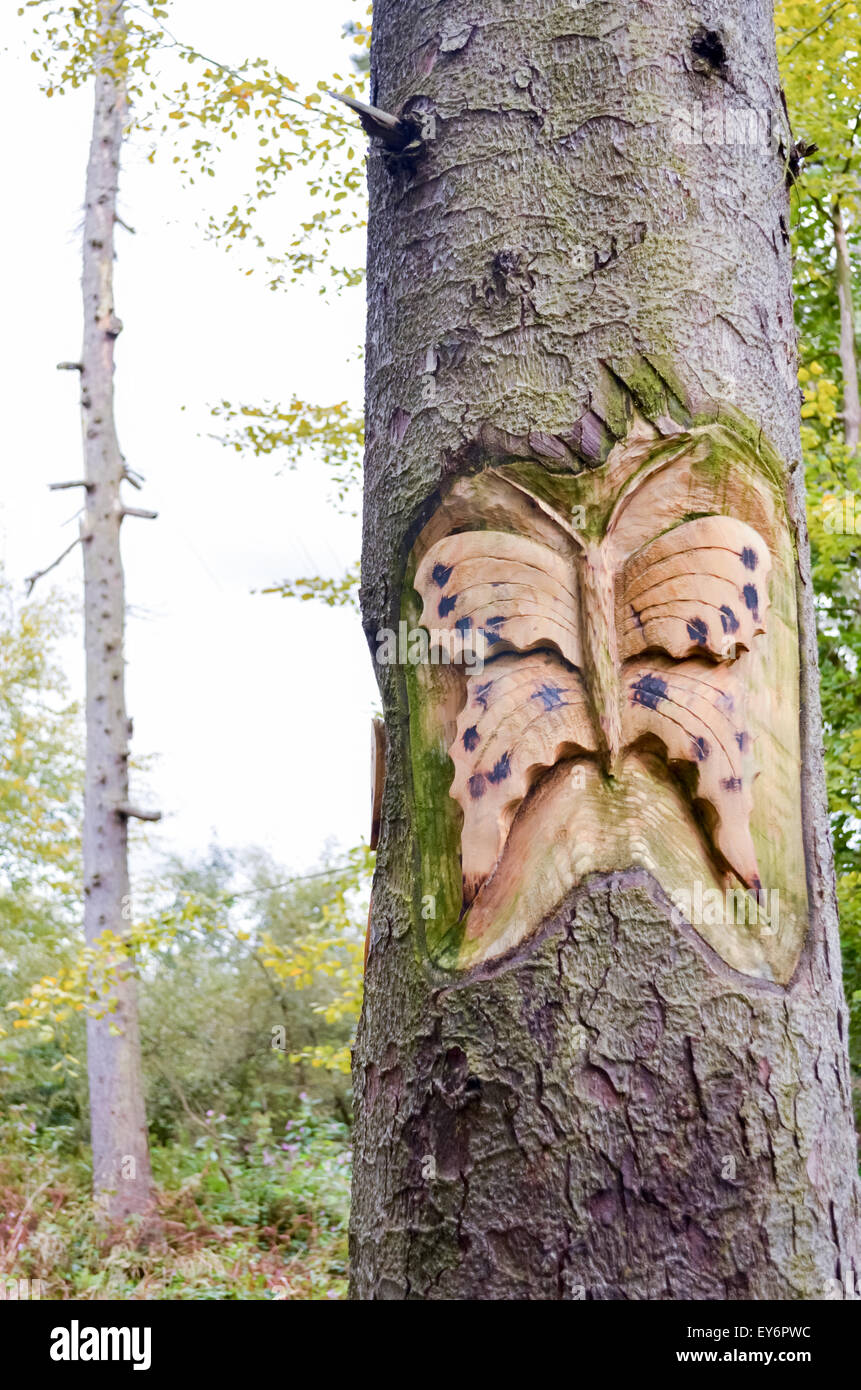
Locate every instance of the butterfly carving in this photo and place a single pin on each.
(594, 644)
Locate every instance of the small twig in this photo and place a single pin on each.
(130, 476)
(33, 579)
(208, 1129)
(70, 366)
(119, 220)
(135, 813)
(18, 1230)
(223, 67)
(830, 12)
(78, 482)
(139, 511)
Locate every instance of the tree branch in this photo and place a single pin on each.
(829, 14)
(33, 579)
(135, 813)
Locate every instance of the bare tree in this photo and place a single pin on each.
(122, 1178)
(848, 355)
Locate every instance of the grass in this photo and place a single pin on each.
(243, 1214)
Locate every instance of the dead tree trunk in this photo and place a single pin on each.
(122, 1180)
(848, 356)
(603, 1047)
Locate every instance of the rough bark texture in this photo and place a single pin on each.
(611, 1112)
(121, 1168)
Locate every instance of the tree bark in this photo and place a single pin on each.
(582, 256)
(122, 1179)
(848, 357)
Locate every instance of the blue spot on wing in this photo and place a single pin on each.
(700, 748)
(476, 786)
(470, 739)
(749, 558)
(463, 624)
(491, 630)
(481, 694)
(446, 605)
(729, 622)
(649, 690)
(550, 696)
(698, 631)
(501, 770)
(442, 574)
(751, 598)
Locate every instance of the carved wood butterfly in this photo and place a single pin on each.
(595, 643)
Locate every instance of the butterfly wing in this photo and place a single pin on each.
(516, 597)
(505, 592)
(698, 588)
(696, 709)
(522, 714)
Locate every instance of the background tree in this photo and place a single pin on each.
(100, 42)
(818, 46)
(818, 50)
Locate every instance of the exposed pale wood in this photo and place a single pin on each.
(696, 710)
(507, 590)
(378, 776)
(697, 589)
(700, 587)
(578, 823)
(521, 716)
(687, 478)
(601, 648)
(637, 632)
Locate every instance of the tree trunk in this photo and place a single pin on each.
(571, 1080)
(848, 358)
(122, 1180)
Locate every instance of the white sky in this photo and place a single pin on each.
(256, 707)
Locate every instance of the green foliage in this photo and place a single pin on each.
(251, 1210)
(250, 981)
(40, 757)
(819, 45)
(336, 593)
(250, 986)
(196, 106)
(335, 433)
(242, 991)
(41, 790)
